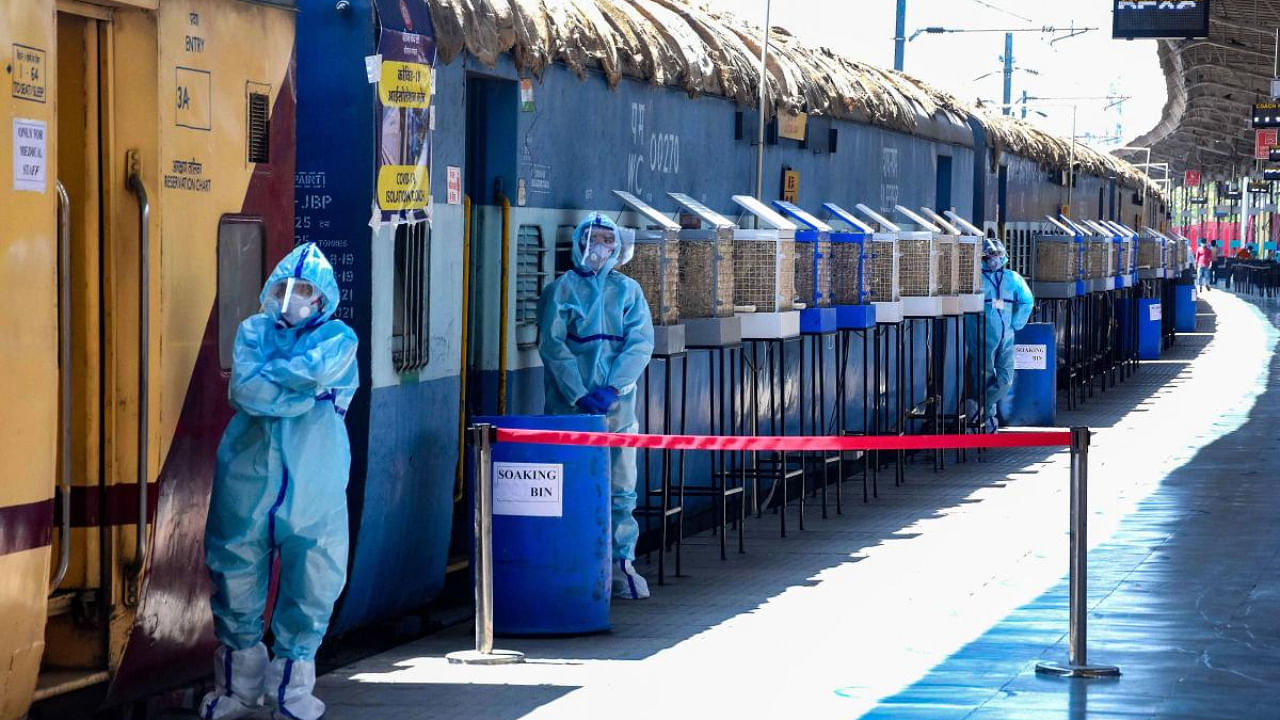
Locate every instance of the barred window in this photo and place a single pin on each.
(531, 278)
(411, 310)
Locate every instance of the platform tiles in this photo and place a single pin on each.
(936, 600)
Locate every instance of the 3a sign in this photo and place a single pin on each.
(1160, 19)
(1264, 141)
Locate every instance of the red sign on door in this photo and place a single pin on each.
(1192, 178)
(1264, 141)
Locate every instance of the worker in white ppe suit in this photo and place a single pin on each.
(596, 340)
(280, 490)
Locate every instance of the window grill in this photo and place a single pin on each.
(411, 304)
(531, 278)
(259, 127)
(1018, 247)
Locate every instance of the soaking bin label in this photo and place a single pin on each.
(528, 489)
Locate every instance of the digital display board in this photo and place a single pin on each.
(1133, 19)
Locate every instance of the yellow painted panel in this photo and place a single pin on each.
(22, 605)
(237, 47)
(28, 257)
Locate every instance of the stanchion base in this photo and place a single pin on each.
(475, 657)
(1076, 671)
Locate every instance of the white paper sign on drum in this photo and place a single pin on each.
(528, 489)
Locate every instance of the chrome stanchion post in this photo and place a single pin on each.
(1077, 664)
(484, 654)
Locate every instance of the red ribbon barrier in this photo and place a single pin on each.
(788, 443)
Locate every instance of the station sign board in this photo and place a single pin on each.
(1197, 200)
(1271, 174)
(1262, 186)
(1266, 114)
(1264, 142)
(1169, 19)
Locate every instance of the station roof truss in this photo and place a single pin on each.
(1213, 83)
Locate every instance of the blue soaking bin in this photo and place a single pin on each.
(1150, 328)
(1033, 401)
(551, 531)
(1185, 309)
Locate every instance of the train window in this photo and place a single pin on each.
(259, 126)
(531, 278)
(241, 243)
(564, 249)
(410, 317)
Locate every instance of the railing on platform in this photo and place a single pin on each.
(1077, 439)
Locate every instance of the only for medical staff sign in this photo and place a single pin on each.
(30, 155)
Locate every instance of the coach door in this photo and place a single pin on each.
(76, 636)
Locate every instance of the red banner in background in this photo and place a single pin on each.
(1191, 178)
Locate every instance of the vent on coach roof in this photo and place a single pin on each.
(259, 128)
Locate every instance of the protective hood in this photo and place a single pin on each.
(623, 246)
(993, 248)
(308, 263)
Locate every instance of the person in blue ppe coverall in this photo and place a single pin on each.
(596, 339)
(281, 487)
(1009, 303)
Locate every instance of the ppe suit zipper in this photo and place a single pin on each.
(271, 514)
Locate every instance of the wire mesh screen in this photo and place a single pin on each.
(882, 265)
(1056, 259)
(850, 279)
(969, 272)
(948, 265)
(1018, 248)
(706, 277)
(813, 272)
(656, 266)
(1125, 261)
(1150, 253)
(1098, 255)
(764, 273)
(918, 268)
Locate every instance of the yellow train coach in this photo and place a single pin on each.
(146, 173)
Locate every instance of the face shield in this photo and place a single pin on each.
(993, 255)
(294, 301)
(599, 244)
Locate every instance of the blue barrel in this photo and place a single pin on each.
(551, 531)
(1184, 311)
(1150, 328)
(1033, 401)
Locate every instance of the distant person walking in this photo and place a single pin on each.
(1204, 265)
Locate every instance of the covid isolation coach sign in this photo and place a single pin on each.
(1134, 19)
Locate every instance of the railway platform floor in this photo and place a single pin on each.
(937, 599)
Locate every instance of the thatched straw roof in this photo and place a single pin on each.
(706, 52)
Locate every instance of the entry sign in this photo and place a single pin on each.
(1264, 140)
(1030, 357)
(1191, 178)
(528, 489)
